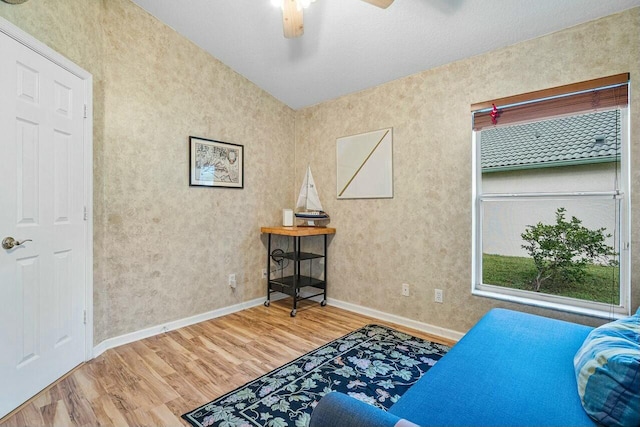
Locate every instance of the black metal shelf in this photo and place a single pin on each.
(300, 282)
(302, 256)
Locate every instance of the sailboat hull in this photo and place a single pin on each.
(312, 219)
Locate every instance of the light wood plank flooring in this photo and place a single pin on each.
(153, 381)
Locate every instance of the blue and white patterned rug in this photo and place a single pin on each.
(374, 364)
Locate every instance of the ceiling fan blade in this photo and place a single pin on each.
(380, 3)
(292, 20)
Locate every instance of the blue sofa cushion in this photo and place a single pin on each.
(607, 368)
(511, 369)
(341, 410)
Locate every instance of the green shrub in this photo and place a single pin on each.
(564, 249)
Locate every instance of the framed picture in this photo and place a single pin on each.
(215, 163)
(365, 165)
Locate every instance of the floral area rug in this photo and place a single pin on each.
(374, 364)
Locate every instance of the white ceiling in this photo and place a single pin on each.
(350, 45)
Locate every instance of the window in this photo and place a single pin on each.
(551, 198)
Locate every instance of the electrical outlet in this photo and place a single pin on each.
(264, 273)
(405, 289)
(438, 297)
(232, 280)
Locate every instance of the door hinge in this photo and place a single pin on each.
(85, 111)
(84, 316)
(85, 216)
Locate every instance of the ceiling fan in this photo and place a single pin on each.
(292, 17)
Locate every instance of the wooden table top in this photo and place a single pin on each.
(298, 231)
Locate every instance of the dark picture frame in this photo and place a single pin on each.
(215, 163)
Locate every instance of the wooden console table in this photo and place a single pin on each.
(291, 285)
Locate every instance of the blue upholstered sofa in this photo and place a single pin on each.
(510, 369)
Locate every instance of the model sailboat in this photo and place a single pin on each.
(309, 209)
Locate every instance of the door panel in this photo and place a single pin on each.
(28, 321)
(42, 282)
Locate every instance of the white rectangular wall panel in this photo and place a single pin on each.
(28, 282)
(63, 295)
(27, 172)
(61, 181)
(28, 84)
(62, 99)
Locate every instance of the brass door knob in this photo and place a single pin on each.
(10, 242)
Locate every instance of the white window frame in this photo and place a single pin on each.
(567, 304)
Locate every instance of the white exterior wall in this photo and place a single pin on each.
(505, 221)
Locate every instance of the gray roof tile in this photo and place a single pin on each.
(563, 140)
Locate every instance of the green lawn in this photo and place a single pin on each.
(598, 285)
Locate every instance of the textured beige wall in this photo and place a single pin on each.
(169, 248)
(423, 235)
(163, 250)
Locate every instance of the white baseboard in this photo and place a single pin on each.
(399, 320)
(180, 323)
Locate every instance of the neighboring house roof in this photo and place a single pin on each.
(586, 138)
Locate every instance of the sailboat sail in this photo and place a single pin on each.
(309, 209)
(308, 199)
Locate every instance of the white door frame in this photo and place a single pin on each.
(45, 51)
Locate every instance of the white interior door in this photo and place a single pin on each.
(42, 198)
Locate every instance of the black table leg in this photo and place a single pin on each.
(324, 298)
(267, 303)
(296, 274)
